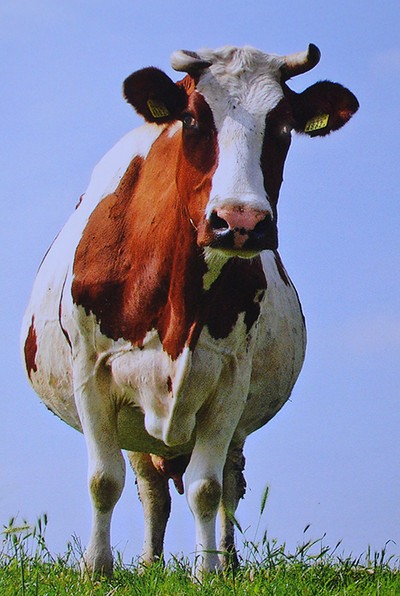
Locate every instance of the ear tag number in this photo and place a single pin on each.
(157, 108)
(317, 123)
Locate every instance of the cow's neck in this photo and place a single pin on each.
(180, 293)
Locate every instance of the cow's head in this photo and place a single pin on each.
(234, 114)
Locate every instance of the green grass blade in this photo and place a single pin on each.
(264, 500)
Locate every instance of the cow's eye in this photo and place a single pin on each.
(285, 129)
(283, 134)
(189, 122)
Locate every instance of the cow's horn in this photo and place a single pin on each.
(189, 62)
(300, 62)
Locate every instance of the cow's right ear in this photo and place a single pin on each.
(154, 95)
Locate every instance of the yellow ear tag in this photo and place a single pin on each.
(317, 123)
(157, 108)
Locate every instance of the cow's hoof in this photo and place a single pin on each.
(96, 566)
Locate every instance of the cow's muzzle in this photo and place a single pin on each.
(241, 231)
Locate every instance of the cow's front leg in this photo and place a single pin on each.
(204, 491)
(106, 468)
(156, 501)
(204, 475)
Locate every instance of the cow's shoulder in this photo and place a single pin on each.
(109, 171)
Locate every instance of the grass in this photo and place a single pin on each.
(28, 568)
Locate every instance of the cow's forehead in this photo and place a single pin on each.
(237, 61)
(244, 77)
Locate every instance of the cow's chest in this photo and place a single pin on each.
(159, 398)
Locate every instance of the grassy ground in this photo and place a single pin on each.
(28, 568)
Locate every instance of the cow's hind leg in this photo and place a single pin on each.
(156, 501)
(234, 486)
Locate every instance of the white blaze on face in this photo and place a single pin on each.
(241, 87)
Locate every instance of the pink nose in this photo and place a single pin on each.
(237, 218)
(242, 228)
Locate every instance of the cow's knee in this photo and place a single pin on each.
(204, 497)
(105, 490)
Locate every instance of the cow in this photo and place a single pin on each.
(162, 321)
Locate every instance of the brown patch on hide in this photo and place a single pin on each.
(30, 349)
(281, 270)
(275, 148)
(138, 266)
(169, 385)
(238, 289)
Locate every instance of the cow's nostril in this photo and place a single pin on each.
(217, 223)
(263, 226)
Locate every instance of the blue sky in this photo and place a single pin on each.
(331, 456)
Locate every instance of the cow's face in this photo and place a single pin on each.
(230, 133)
(234, 115)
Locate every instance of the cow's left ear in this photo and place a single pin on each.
(154, 95)
(322, 108)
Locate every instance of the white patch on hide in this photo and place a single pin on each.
(241, 87)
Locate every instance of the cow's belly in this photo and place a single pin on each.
(156, 398)
(133, 436)
(51, 377)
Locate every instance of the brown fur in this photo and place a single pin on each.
(30, 349)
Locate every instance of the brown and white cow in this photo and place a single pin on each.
(162, 320)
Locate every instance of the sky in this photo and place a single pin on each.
(331, 456)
